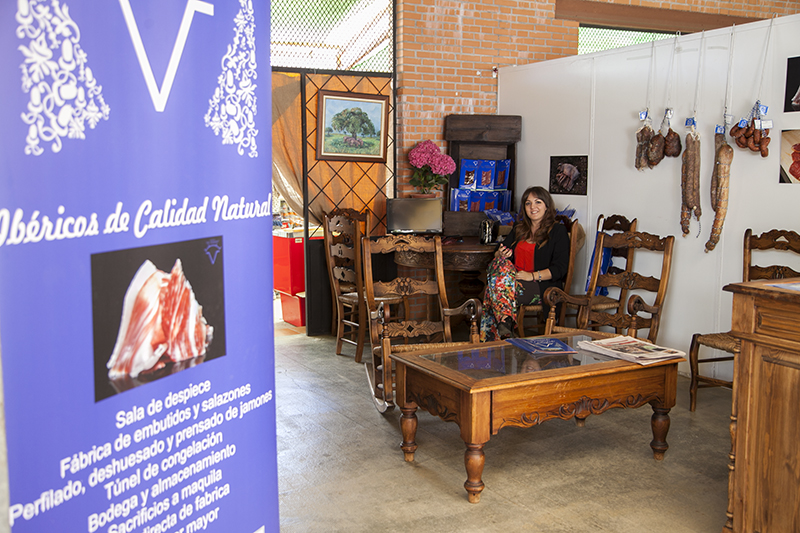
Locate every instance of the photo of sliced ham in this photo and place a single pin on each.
(162, 323)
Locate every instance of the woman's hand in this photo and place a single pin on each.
(524, 276)
(503, 252)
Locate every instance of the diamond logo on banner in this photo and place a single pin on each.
(232, 109)
(64, 94)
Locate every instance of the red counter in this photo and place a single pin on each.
(289, 271)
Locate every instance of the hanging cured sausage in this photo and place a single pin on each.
(720, 181)
(690, 181)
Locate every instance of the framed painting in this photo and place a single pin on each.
(352, 126)
(569, 174)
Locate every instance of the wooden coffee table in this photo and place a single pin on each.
(497, 385)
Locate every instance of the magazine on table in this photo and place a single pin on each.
(631, 349)
(542, 345)
(789, 286)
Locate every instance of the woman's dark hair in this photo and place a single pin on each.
(524, 227)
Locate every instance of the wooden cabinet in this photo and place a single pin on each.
(482, 137)
(764, 487)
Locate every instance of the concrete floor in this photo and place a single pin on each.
(341, 469)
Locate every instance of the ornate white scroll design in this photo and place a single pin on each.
(64, 94)
(232, 109)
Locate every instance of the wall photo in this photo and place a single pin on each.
(790, 156)
(569, 174)
(792, 101)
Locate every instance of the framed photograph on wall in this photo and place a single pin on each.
(790, 156)
(569, 174)
(792, 99)
(352, 126)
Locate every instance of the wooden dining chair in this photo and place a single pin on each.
(343, 229)
(575, 244)
(630, 321)
(619, 260)
(391, 334)
(771, 240)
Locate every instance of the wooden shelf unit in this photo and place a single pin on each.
(482, 137)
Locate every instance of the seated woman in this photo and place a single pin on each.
(532, 258)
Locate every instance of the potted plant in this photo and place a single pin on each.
(432, 167)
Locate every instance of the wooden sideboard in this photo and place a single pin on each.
(764, 484)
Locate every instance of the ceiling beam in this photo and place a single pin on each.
(643, 18)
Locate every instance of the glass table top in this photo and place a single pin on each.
(504, 360)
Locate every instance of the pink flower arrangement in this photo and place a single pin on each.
(433, 167)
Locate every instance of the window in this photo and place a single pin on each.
(596, 39)
(355, 35)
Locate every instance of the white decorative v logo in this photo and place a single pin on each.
(160, 96)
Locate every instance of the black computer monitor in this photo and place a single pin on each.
(414, 215)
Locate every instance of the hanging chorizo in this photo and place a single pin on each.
(672, 144)
(643, 136)
(722, 163)
(655, 151)
(690, 181)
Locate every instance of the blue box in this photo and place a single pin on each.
(483, 200)
(501, 174)
(459, 199)
(486, 175)
(468, 175)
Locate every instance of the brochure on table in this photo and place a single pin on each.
(631, 349)
(542, 345)
(135, 275)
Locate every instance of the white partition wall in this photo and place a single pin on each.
(590, 104)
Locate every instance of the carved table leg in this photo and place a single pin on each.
(660, 424)
(408, 425)
(474, 460)
(728, 527)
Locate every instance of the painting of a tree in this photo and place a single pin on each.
(351, 126)
(353, 121)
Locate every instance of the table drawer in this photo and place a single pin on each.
(775, 320)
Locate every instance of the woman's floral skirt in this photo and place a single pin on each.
(503, 291)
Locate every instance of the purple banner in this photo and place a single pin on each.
(136, 266)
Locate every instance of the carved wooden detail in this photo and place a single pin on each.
(635, 239)
(404, 287)
(778, 239)
(630, 281)
(580, 409)
(402, 243)
(773, 272)
(412, 328)
(430, 403)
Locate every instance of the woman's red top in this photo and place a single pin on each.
(523, 256)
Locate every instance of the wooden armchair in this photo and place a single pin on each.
(388, 331)
(630, 321)
(611, 302)
(575, 244)
(771, 240)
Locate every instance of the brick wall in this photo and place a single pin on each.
(447, 48)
